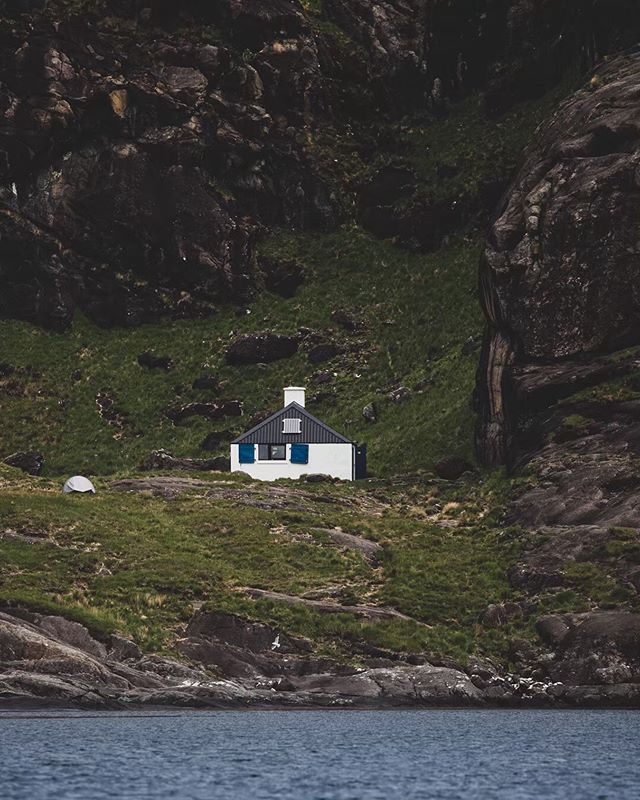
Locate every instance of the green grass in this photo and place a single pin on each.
(417, 312)
(137, 564)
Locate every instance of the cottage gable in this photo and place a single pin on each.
(277, 428)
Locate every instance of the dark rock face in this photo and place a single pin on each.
(208, 382)
(261, 348)
(30, 462)
(558, 276)
(215, 439)
(347, 320)
(323, 352)
(111, 156)
(597, 648)
(558, 378)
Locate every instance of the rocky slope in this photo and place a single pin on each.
(205, 591)
(559, 373)
(48, 661)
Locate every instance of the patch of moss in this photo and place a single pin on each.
(626, 545)
(594, 582)
(576, 422)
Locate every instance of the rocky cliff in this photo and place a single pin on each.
(559, 275)
(144, 148)
(558, 380)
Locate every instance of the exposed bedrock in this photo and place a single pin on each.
(114, 149)
(559, 276)
(559, 379)
(144, 147)
(49, 661)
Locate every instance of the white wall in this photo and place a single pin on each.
(328, 459)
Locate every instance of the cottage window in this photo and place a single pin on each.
(272, 452)
(291, 425)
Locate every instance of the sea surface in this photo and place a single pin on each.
(321, 755)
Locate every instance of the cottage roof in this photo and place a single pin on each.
(312, 430)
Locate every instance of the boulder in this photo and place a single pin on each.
(498, 614)
(30, 461)
(215, 439)
(282, 277)
(400, 394)
(153, 361)
(317, 477)
(185, 84)
(452, 467)
(599, 647)
(208, 382)
(260, 348)
(323, 352)
(369, 412)
(346, 320)
(553, 628)
(240, 648)
(122, 649)
(72, 633)
(233, 630)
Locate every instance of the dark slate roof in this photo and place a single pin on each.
(312, 430)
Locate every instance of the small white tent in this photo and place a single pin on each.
(78, 484)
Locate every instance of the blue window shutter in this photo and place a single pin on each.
(299, 453)
(247, 455)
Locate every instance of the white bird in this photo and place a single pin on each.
(276, 643)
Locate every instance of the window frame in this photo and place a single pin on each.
(270, 456)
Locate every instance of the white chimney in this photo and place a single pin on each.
(294, 394)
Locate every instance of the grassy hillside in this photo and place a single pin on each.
(139, 564)
(416, 312)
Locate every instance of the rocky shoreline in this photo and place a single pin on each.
(49, 662)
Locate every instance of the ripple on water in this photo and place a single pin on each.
(320, 755)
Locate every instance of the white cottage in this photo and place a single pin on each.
(292, 442)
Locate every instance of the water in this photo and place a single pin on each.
(316, 755)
